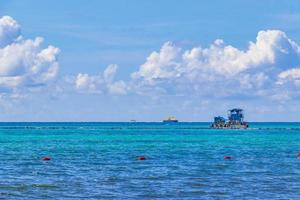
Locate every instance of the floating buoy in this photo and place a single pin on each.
(227, 157)
(298, 156)
(141, 158)
(46, 158)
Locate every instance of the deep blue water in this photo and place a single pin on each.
(184, 161)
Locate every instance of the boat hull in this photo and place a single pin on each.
(230, 126)
(170, 121)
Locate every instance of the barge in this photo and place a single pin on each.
(235, 120)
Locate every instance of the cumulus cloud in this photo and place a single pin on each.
(85, 82)
(265, 69)
(160, 65)
(222, 69)
(10, 30)
(102, 83)
(24, 62)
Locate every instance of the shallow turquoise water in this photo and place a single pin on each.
(185, 161)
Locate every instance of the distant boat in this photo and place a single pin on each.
(170, 120)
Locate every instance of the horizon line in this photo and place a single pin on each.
(137, 122)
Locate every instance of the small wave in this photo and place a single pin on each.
(46, 186)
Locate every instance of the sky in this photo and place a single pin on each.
(145, 60)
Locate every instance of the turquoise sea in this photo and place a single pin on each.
(183, 161)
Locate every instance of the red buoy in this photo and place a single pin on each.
(227, 157)
(46, 158)
(298, 156)
(141, 158)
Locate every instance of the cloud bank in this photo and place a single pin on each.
(268, 69)
(24, 63)
(221, 70)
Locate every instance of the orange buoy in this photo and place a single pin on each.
(298, 156)
(46, 158)
(141, 158)
(227, 157)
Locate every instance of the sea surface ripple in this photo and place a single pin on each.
(183, 161)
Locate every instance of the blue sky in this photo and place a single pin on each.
(101, 69)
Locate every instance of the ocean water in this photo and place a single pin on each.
(184, 161)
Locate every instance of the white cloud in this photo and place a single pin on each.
(91, 84)
(272, 47)
(218, 71)
(24, 63)
(161, 64)
(10, 30)
(109, 72)
(290, 75)
(103, 83)
(221, 70)
(118, 87)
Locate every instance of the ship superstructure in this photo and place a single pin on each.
(170, 120)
